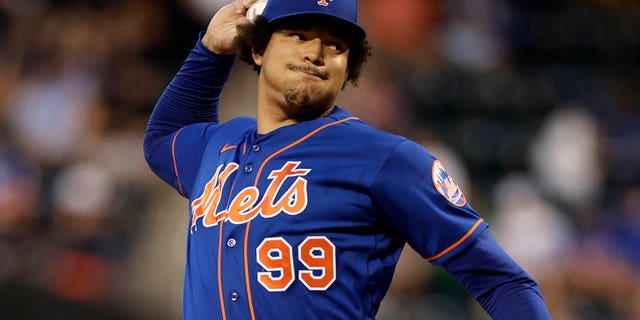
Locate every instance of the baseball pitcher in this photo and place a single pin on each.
(302, 212)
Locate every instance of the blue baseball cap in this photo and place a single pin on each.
(345, 11)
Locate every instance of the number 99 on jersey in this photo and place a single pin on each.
(316, 253)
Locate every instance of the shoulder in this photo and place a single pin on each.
(205, 131)
(384, 142)
(355, 131)
(233, 127)
(239, 123)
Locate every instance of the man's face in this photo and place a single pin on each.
(304, 68)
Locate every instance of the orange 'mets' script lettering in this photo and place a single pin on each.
(247, 204)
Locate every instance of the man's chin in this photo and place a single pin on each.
(300, 98)
(303, 105)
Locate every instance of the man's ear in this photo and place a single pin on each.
(257, 58)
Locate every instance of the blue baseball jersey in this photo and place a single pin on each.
(307, 221)
(318, 211)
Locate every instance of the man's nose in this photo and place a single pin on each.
(313, 52)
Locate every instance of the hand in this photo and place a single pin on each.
(222, 27)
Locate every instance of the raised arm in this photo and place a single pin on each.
(193, 95)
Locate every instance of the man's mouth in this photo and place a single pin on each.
(309, 70)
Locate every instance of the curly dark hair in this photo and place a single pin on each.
(254, 37)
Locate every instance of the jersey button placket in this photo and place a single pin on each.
(233, 256)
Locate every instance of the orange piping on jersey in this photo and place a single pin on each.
(255, 184)
(297, 142)
(457, 243)
(175, 162)
(220, 292)
(246, 272)
(244, 148)
(226, 148)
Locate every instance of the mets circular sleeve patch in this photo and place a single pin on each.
(446, 186)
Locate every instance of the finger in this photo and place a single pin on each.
(248, 3)
(241, 6)
(242, 21)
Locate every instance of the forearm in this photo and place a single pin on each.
(518, 299)
(499, 284)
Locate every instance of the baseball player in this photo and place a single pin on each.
(302, 212)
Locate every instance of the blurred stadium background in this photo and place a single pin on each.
(534, 106)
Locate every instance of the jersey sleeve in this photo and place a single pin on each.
(185, 116)
(424, 204)
(497, 282)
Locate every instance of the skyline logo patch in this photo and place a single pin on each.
(446, 186)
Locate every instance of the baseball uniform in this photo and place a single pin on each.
(308, 221)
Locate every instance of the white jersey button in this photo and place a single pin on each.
(255, 147)
(234, 296)
(231, 242)
(248, 168)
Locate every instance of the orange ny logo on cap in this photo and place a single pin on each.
(324, 3)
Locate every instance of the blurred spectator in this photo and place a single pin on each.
(605, 269)
(565, 158)
(51, 118)
(19, 204)
(471, 38)
(530, 228)
(81, 230)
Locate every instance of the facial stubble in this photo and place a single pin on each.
(304, 104)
